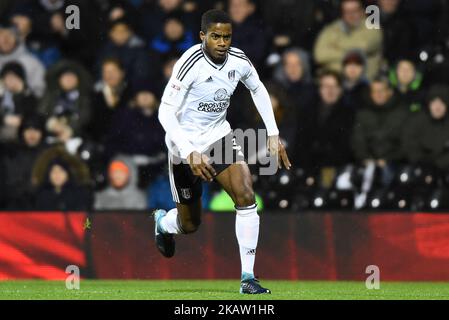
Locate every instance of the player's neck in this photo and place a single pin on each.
(214, 60)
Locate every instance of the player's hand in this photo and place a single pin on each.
(199, 163)
(277, 150)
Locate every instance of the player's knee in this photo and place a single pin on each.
(190, 226)
(245, 198)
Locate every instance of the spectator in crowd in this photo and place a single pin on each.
(325, 128)
(50, 39)
(167, 68)
(424, 16)
(248, 32)
(62, 181)
(378, 129)
(16, 100)
(113, 10)
(175, 39)
(125, 46)
(426, 138)
(355, 83)
(135, 129)
(297, 23)
(122, 193)
(17, 162)
(437, 63)
(138, 43)
(294, 75)
(153, 17)
(11, 49)
(112, 92)
(398, 32)
(66, 101)
(42, 46)
(346, 34)
(407, 82)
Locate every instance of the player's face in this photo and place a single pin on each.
(217, 41)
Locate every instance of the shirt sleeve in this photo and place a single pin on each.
(172, 100)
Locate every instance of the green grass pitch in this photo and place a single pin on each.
(219, 290)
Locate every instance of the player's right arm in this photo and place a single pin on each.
(174, 95)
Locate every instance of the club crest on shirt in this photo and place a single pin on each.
(186, 193)
(231, 75)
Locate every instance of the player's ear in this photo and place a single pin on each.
(202, 36)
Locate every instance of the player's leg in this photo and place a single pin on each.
(186, 217)
(237, 182)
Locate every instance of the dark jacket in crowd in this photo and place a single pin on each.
(49, 45)
(378, 129)
(324, 135)
(250, 36)
(398, 36)
(102, 114)
(426, 140)
(21, 104)
(133, 56)
(75, 105)
(285, 114)
(302, 93)
(414, 96)
(71, 198)
(152, 17)
(16, 162)
(300, 20)
(75, 194)
(134, 133)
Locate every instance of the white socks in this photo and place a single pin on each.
(247, 232)
(169, 223)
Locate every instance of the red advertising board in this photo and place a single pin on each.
(307, 246)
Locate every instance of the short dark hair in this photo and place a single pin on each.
(380, 78)
(213, 16)
(331, 73)
(113, 60)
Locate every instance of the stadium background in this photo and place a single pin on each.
(85, 101)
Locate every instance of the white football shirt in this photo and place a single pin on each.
(199, 93)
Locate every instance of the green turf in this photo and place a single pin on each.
(217, 290)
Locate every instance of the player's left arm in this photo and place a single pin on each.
(262, 101)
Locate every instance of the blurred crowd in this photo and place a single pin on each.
(363, 111)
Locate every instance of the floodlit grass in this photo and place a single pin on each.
(219, 290)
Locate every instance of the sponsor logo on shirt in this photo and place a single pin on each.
(222, 99)
(221, 95)
(174, 86)
(213, 106)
